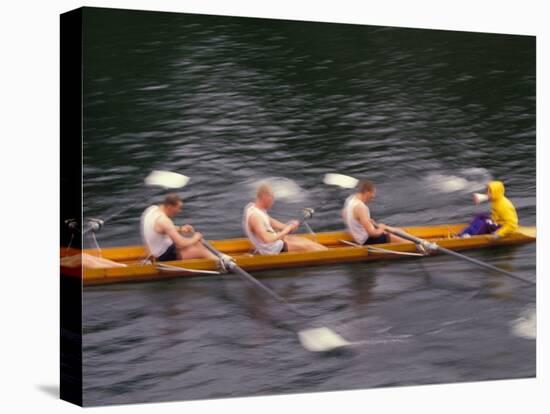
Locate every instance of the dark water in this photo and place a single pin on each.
(429, 115)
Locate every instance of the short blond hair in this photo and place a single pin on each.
(263, 189)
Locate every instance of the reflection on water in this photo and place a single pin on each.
(429, 116)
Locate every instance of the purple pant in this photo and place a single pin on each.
(481, 224)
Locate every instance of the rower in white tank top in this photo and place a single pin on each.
(155, 242)
(355, 228)
(272, 248)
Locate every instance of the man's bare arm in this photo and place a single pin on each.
(361, 214)
(166, 226)
(276, 224)
(259, 230)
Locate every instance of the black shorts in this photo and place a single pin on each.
(170, 254)
(383, 238)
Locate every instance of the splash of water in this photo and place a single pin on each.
(526, 325)
(467, 180)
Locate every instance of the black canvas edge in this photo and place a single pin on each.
(71, 124)
(71, 203)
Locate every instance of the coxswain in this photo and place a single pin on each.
(502, 219)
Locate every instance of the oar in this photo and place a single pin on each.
(345, 181)
(435, 247)
(162, 179)
(313, 339)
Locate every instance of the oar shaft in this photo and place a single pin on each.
(112, 216)
(344, 181)
(437, 247)
(236, 269)
(482, 264)
(409, 237)
(316, 339)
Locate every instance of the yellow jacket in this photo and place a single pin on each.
(503, 211)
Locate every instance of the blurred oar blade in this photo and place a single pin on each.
(312, 339)
(166, 179)
(321, 340)
(340, 180)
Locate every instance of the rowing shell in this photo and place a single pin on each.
(136, 268)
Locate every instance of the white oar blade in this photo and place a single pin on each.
(166, 179)
(341, 180)
(321, 340)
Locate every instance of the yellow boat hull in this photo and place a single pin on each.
(240, 249)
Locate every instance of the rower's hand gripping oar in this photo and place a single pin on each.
(313, 339)
(345, 181)
(162, 179)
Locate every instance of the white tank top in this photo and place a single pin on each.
(355, 228)
(156, 243)
(274, 247)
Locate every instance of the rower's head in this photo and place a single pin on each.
(366, 190)
(265, 197)
(172, 204)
